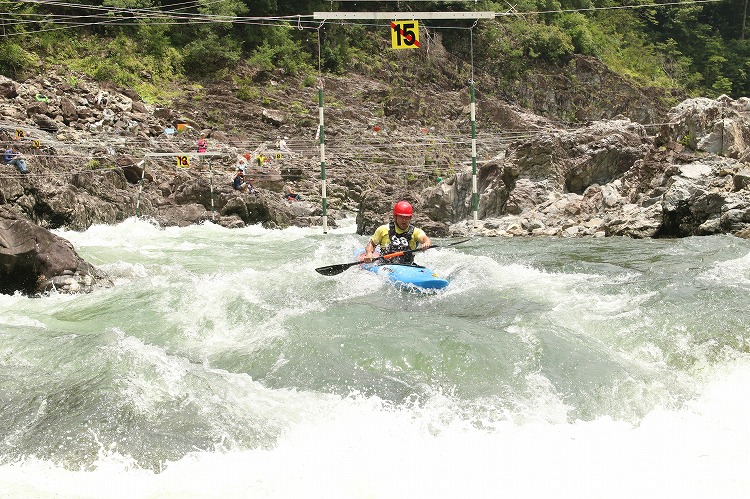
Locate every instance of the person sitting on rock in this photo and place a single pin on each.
(239, 183)
(242, 163)
(12, 157)
(289, 193)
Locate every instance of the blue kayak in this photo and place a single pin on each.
(407, 277)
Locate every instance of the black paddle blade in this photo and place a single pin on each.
(335, 269)
(457, 242)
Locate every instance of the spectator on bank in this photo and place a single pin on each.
(283, 147)
(202, 143)
(289, 194)
(239, 183)
(13, 157)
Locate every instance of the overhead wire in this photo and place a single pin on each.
(343, 147)
(132, 16)
(149, 13)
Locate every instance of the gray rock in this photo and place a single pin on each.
(33, 260)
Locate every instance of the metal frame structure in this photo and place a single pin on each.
(323, 16)
(328, 16)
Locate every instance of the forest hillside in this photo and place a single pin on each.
(528, 53)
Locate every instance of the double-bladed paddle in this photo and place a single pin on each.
(340, 267)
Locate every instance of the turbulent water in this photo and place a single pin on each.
(222, 365)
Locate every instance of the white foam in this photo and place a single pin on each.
(434, 445)
(362, 447)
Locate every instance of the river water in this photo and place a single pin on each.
(222, 365)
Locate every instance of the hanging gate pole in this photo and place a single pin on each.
(474, 194)
(140, 190)
(322, 161)
(211, 183)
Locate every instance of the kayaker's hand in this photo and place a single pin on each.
(367, 258)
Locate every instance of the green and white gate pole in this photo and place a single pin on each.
(140, 190)
(322, 161)
(211, 183)
(474, 195)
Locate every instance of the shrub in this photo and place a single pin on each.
(579, 29)
(545, 42)
(209, 53)
(722, 85)
(14, 59)
(288, 56)
(310, 81)
(246, 91)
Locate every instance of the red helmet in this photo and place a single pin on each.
(403, 208)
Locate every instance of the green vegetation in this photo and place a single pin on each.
(296, 108)
(247, 90)
(14, 59)
(697, 47)
(93, 164)
(702, 49)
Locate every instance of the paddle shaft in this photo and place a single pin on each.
(339, 268)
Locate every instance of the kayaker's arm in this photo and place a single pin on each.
(369, 250)
(425, 242)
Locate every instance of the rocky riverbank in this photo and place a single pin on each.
(685, 177)
(100, 155)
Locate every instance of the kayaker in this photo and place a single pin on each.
(398, 235)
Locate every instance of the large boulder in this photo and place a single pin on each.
(34, 260)
(538, 170)
(718, 126)
(7, 88)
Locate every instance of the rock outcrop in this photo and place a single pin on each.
(98, 154)
(34, 260)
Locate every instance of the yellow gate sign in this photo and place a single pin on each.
(405, 34)
(183, 161)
